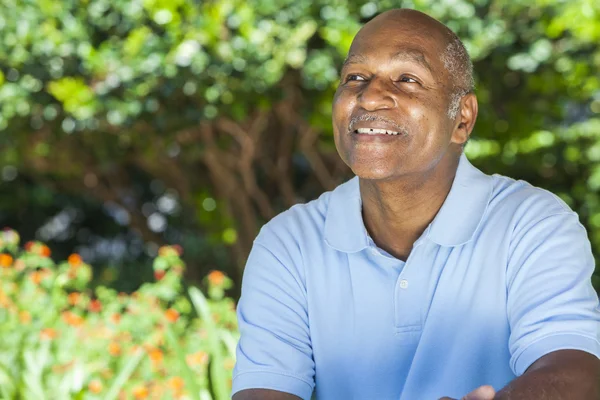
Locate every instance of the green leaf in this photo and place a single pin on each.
(188, 375)
(124, 375)
(218, 375)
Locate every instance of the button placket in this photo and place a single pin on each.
(406, 297)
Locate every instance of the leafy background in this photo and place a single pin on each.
(129, 124)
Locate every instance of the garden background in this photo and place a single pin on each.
(128, 126)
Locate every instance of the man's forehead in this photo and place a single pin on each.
(388, 41)
(403, 24)
(406, 30)
(396, 53)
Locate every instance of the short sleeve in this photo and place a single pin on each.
(551, 302)
(274, 350)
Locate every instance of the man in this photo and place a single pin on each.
(421, 277)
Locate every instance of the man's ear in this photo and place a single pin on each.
(465, 121)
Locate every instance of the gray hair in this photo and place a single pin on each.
(460, 68)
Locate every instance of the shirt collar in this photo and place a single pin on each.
(344, 227)
(456, 222)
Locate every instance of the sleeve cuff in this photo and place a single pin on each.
(548, 344)
(274, 381)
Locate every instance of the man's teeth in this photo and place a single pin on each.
(373, 131)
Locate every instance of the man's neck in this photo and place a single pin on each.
(397, 212)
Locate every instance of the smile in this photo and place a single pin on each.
(374, 131)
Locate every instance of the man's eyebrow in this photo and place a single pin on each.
(414, 56)
(354, 59)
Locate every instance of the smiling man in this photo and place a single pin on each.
(421, 277)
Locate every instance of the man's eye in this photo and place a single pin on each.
(354, 77)
(407, 79)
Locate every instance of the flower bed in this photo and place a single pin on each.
(63, 340)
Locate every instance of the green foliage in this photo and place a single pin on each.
(63, 340)
(101, 87)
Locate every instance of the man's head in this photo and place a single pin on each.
(405, 99)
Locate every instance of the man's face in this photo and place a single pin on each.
(393, 80)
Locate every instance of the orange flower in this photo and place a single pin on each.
(176, 383)
(73, 298)
(75, 260)
(48, 333)
(95, 386)
(140, 392)
(72, 318)
(156, 356)
(216, 278)
(115, 318)
(95, 306)
(24, 317)
(158, 275)
(172, 315)
(36, 277)
(198, 358)
(45, 251)
(6, 260)
(114, 349)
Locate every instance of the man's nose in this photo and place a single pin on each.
(377, 95)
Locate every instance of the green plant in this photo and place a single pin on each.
(63, 340)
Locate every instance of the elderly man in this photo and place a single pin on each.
(421, 277)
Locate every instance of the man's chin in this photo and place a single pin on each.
(373, 173)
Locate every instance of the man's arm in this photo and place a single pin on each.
(275, 350)
(562, 374)
(263, 394)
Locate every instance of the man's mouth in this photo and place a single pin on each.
(375, 125)
(374, 131)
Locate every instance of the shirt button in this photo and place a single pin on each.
(403, 283)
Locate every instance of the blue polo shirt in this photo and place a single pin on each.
(500, 278)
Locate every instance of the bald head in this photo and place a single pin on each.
(449, 48)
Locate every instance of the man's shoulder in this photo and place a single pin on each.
(299, 222)
(524, 202)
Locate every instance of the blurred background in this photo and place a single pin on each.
(126, 125)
